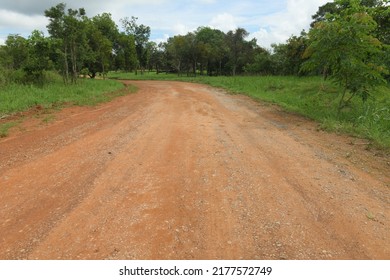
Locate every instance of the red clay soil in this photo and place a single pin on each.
(185, 171)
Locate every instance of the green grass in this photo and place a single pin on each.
(309, 96)
(16, 98)
(5, 127)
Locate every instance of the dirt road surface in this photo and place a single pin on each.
(185, 171)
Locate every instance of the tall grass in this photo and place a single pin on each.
(16, 97)
(309, 96)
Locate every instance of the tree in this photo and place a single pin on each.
(100, 31)
(75, 30)
(56, 29)
(38, 59)
(337, 6)
(68, 29)
(287, 58)
(296, 46)
(13, 57)
(108, 30)
(154, 56)
(17, 51)
(262, 63)
(239, 50)
(176, 52)
(141, 34)
(192, 52)
(381, 14)
(125, 53)
(213, 49)
(345, 46)
(279, 59)
(377, 9)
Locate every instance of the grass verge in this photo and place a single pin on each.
(16, 98)
(309, 96)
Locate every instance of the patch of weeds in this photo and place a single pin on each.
(48, 119)
(4, 128)
(370, 216)
(275, 87)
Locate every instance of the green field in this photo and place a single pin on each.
(311, 97)
(16, 98)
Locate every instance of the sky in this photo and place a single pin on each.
(268, 21)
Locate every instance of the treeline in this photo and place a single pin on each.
(77, 45)
(354, 32)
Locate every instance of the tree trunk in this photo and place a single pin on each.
(104, 70)
(234, 70)
(73, 61)
(194, 68)
(341, 103)
(66, 66)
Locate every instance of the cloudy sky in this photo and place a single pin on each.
(270, 21)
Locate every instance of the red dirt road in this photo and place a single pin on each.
(185, 171)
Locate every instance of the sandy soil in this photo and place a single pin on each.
(185, 171)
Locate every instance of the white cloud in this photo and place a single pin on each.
(278, 27)
(19, 21)
(224, 22)
(16, 23)
(164, 38)
(181, 29)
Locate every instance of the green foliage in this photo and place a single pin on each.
(141, 35)
(16, 48)
(239, 49)
(345, 49)
(99, 47)
(263, 64)
(377, 9)
(212, 50)
(38, 60)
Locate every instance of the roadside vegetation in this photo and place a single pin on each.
(336, 73)
(16, 97)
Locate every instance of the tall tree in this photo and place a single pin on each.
(176, 52)
(68, 28)
(238, 48)
(56, 29)
(16, 48)
(193, 52)
(141, 34)
(38, 60)
(125, 53)
(213, 49)
(344, 45)
(101, 33)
